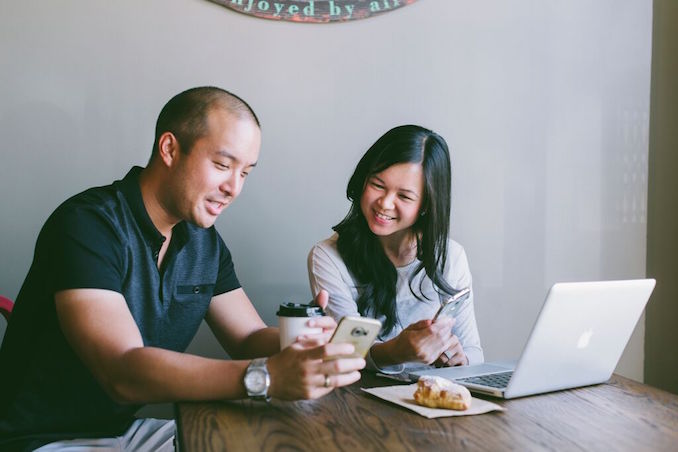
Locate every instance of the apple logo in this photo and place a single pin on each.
(584, 339)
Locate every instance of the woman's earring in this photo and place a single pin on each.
(423, 212)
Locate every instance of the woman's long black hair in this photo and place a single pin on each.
(362, 251)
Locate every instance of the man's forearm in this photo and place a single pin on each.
(152, 375)
(263, 342)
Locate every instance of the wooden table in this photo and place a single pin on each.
(621, 415)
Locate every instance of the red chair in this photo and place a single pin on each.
(6, 306)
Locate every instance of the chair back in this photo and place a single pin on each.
(6, 306)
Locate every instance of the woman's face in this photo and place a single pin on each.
(391, 199)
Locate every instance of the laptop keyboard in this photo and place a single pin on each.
(498, 380)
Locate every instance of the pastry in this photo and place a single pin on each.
(437, 392)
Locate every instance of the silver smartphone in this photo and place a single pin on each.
(449, 307)
(359, 331)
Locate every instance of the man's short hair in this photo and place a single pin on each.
(185, 115)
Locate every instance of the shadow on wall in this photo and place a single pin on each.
(267, 297)
(36, 133)
(40, 175)
(33, 132)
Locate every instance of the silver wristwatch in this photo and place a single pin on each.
(257, 380)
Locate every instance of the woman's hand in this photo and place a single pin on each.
(424, 341)
(453, 356)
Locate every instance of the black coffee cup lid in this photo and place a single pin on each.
(299, 310)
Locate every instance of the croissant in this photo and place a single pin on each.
(437, 392)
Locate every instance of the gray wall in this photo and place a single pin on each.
(661, 362)
(545, 105)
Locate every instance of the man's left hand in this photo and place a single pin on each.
(327, 324)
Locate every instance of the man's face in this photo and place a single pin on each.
(207, 179)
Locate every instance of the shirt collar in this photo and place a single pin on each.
(130, 188)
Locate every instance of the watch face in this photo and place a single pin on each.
(255, 381)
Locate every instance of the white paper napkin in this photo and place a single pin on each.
(403, 395)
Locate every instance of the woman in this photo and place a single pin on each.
(391, 258)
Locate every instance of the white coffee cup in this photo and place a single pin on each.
(293, 319)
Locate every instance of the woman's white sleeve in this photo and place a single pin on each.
(324, 273)
(466, 328)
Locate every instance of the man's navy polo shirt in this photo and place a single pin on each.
(102, 238)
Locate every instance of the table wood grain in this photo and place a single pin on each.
(620, 415)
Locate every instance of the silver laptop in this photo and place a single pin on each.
(577, 340)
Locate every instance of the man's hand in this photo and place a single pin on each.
(303, 372)
(326, 323)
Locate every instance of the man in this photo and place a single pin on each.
(121, 279)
